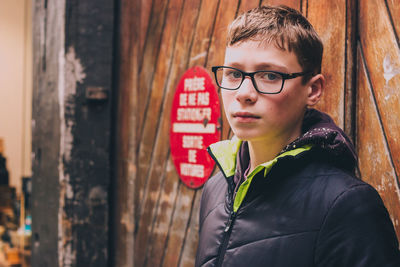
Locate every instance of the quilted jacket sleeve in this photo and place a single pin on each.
(357, 231)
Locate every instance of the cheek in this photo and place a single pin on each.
(278, 103)
(294, 99)
(226, 97)
(285, 106)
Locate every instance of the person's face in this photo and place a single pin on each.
(254, 116)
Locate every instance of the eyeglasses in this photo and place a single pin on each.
(265, 82)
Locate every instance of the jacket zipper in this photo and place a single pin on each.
(225, 239)
(229, 223)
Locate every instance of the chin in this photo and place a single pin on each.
(245, 135)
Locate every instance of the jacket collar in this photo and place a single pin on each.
(319, 131)
(225, 154)
(331, 142)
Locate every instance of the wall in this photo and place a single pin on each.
(378, 98)
(16, 86)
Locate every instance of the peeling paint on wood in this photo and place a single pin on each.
(389, 69)
(48, 43)
(72, 62)
(379, 171)
(378, 101)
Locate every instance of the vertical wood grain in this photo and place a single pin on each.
(333, 34)
(378, 129)
(375, 164)
(145, 11)
(161, 149)
(226, 13)
(189, 251)
(291, 3)
(350, 69)
(179, 228)
(124, 190)
(167, 198)
(381, 51)
(157, 87)
(150, 54)
(246, 5)
(394, 11)
(165, 211)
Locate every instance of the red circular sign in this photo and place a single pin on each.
(195, 124)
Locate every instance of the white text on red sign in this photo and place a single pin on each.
(194, 99)
(194, 170)
(194, 84)
(192, 141)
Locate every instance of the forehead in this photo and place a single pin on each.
(253, 55)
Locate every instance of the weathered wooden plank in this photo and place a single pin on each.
(180, 60)
(394, 9)
(333, 35)
(71, 66)
(291, 3)
(226, 13)
(123, 192)
(350, 76)
(150, 54)
(304, 7)
(48, 33)
(158, 237)
(203, 33)
(157, 93)
(85, 140)
(371, 143)
(177, 240)
(145, 11)
(189, 251)
(178, 228)
(164, 215)
(247, 5)
(382, 55)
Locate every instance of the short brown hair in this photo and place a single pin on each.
(286, 27)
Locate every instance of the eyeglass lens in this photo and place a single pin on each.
(266, 81)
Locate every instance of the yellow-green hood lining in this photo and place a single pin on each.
(225, 153)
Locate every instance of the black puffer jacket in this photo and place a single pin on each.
(304, 208)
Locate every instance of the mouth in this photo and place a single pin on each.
(245, 116)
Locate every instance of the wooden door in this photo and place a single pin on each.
(179, 34)
(378, 99)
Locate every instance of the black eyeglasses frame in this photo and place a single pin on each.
(285, 76)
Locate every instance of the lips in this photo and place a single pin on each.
(245, 116)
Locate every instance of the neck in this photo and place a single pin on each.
(261, 151)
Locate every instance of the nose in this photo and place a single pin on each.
(247, 92)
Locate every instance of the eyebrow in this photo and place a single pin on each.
(260, 66)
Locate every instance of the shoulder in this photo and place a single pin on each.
(333, 188)
(330, 180)
(356, 224)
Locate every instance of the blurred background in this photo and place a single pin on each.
(15, 128)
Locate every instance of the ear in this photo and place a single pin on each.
(316, 86)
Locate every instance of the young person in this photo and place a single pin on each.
(286, 195)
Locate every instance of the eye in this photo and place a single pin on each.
(233, 74)
(270, 76)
